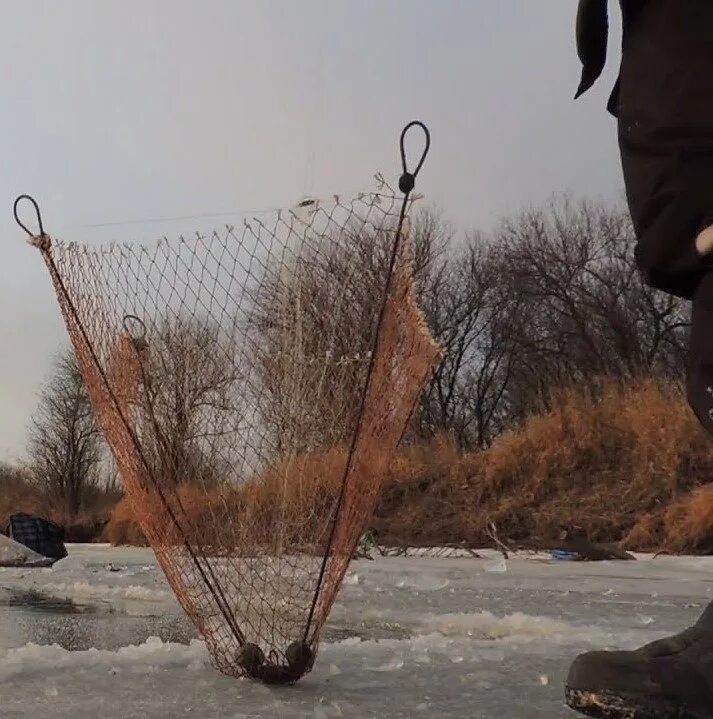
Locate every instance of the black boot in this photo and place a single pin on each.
(671, 678)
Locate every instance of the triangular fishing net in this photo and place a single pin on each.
(253, 384)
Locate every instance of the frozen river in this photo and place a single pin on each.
(100, 635)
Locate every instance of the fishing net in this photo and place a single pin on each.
(252, 384)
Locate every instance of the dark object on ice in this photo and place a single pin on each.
(586, 551)
(300, 657)
(251, 657)
(38, 534)
(671, 678)
(573, 545)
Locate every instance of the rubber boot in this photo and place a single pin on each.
(670, 678)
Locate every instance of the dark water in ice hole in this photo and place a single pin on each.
(41, 619)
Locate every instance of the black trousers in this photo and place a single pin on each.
(664, 105)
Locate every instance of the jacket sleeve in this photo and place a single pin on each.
(592, 32)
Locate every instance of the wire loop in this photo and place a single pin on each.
(37, 212)
(407, 181)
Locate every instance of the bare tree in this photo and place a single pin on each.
(552, 298)
(65, 447)
(315, 325)
(190, 403)
(464, 305)
(584, 311)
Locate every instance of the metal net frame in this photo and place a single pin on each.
(253, 384)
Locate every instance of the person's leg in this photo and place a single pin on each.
(672, 677)
(665, 116)
(666, 139)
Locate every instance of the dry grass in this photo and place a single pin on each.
(18, 494)
(623, 463)
(122, 527)
(307, 487)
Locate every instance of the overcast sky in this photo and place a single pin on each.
(126, 110)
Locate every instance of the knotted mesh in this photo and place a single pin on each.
(252, 384)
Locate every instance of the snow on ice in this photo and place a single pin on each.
(100, 634)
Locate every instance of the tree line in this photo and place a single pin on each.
(548, 299)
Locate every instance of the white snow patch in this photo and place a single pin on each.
(422, 583)
(84, 590)
(391, 666)
(324, 710)
(14, 554)
(153, 653)
(485, 625)
(497, 565)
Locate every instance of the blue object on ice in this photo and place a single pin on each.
(563, 555)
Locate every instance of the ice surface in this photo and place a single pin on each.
(497, 565)
(97, 575)
(33, 659)
(409, 637)
(14, 554)
(422, 583)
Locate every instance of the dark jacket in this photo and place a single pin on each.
(663, 99)
(592, 35)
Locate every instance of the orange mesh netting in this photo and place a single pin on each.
(253, 384)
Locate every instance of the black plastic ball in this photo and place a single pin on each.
(251, 657)
(299, 657)
(407, 182)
